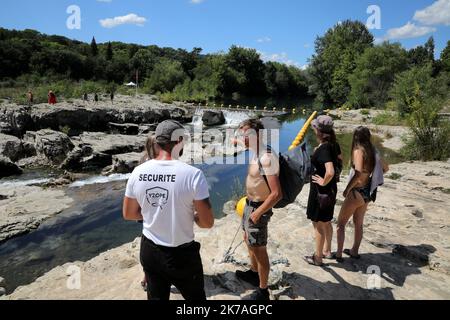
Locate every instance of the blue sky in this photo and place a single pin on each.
(282, 30)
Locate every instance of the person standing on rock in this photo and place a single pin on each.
(51, 97)
(325, 162)
(112, 97)
(263, 192)
(30, 98)
(151, 152)
(96, 98)
(366, 175)
(169, 196)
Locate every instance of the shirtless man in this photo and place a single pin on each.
(263, 192)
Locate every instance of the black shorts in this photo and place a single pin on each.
(181, 267)
(256, 234)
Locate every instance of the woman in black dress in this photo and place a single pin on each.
(326, 163)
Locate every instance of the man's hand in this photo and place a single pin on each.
(255, 216)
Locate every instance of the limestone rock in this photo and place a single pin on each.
(8, 168)
(213, 118)
(53, 145)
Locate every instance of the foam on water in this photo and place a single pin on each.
(100, 179)
(22, 183)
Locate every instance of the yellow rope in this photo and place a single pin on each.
(302, 132)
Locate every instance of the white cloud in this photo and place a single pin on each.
(437, 13)
(378, 40)
(197, 1)
(128, 19)
(409, 30)
(307, 45)
(263, 40)
(279, 57)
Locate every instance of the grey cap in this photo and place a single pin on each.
(323, 124)
(165, 130)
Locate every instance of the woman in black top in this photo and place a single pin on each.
(325, 161)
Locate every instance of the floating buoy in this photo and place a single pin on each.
(240, 206)
(293, 110)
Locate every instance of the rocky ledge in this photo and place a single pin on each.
(406, 239)
(23, 208)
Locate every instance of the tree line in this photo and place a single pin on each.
(185, 75)
(349, 70)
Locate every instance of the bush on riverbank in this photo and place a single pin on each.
(430, 135)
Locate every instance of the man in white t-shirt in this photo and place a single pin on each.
(169, 196)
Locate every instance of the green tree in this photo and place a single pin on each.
(422, 55)
(94, 47)
(109, 52)
(375, 73)
(416, 84)
(246, 70)
(166, 75)
(335, 60)
(445, 58)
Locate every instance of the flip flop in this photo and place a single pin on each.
(349, 253)
(312, 261)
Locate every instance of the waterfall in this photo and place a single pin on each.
(197, 119)
(232, 118)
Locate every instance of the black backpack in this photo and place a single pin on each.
(295, 171)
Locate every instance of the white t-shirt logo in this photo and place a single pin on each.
(157, 197)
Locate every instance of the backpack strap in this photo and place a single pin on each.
(261, 169)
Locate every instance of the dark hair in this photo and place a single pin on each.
(327, 136)
(362, 139)
(254, 124)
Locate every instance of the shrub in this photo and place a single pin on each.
(430, 135)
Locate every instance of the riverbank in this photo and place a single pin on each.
(406, 236)
(78, 139)
(346, 121)
(24, 208)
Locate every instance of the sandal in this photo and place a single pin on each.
(338, 259)
(328, 257)
(349, 253)
(312, 261)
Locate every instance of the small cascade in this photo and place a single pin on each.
(232, 118)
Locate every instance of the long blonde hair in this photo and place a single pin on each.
(151, 149)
